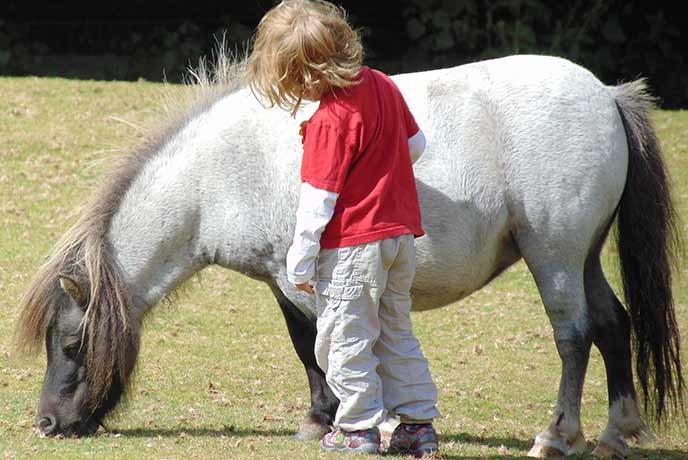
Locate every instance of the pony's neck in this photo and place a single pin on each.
(157, 233)
(152, 234)
(207, 197)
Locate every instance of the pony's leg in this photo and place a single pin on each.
(612, 336)
(560, 283)
(323, 402)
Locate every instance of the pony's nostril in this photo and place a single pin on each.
(46, 424)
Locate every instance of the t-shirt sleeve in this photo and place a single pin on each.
(411, 125)
(328, 151)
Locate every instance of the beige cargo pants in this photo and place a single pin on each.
(372, 361)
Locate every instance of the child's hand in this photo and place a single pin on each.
(302, 131)
(305, 287)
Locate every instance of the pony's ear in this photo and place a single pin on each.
(71, 286)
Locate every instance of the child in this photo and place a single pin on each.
(357, 218)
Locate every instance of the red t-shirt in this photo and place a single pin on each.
(356, 145)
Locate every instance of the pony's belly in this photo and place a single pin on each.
(434, 289)
(436, 298)
(454, 266)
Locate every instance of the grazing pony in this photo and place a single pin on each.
(528, 157)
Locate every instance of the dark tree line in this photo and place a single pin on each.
(617, 40)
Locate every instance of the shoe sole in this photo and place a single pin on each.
(357, 450)
(427, 452)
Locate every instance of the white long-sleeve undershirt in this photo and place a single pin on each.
(416, 145)
(315, 210)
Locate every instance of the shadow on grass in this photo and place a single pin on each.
(485, 441)
(228, 431)
(522, 445)
(467, 438)
(636, 453)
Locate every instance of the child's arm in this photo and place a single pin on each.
(416, 145)
(328, 151)
(316, 207)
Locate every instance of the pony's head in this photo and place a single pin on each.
(77, 304)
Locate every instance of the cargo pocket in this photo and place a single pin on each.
(339, 291)
(367, 268)
(335, 272)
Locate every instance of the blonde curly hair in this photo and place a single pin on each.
(302, 50)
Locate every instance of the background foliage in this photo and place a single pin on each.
(617, 40)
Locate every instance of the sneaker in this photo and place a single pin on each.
(363, 441)
(419, 440)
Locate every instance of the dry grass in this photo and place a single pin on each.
(218, 377)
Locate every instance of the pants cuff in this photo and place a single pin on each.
(414, 421)
(365, 424)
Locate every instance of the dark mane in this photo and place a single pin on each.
(112, 338)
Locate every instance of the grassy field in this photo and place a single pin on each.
(217, 377)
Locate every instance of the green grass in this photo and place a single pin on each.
(217, 377)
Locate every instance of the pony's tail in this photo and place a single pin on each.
(648, 242)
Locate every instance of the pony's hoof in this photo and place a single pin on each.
(611, 444)
(549, 452)
(604, 451)
(311, 431)
(557, 448)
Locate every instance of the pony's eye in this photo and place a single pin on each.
(72, 347)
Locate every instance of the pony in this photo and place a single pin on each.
(528, 157)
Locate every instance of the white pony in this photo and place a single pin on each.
(527, 156)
